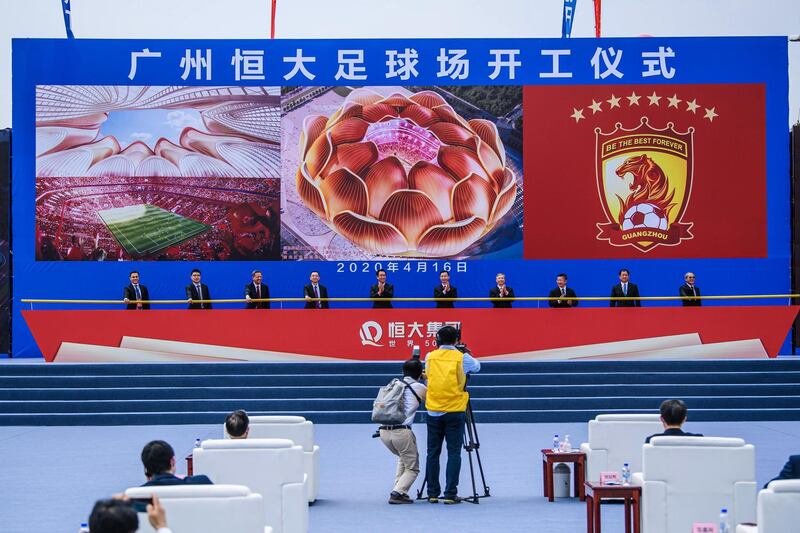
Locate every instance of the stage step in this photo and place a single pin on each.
(192, 393)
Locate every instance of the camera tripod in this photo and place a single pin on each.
(471, 444)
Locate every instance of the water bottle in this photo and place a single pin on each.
(626, 474)
(566, 446)
(556, 443)
(197, 443)
(84, 528)
(724, 522)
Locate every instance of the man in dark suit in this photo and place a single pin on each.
(158, 459)
(563, 293)
(625, 289)
(501, 290)
(690, 289)
(382, 292)
(445, 290)
(791, 470)
(256, 291)
(673, 415)
(315, 290)
(237, 424)
(197, 291)
(134, 293)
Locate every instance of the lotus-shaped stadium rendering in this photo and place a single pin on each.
(404, 175)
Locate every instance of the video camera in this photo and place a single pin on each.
(460, 345)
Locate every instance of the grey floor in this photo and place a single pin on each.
(52, 475)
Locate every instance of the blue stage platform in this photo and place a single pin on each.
(189, 393)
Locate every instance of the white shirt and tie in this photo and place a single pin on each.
(317, 304)
(138, 295)
(199, 289)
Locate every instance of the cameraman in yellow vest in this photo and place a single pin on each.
(446, 369)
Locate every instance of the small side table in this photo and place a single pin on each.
(595, 492)
(550, 458)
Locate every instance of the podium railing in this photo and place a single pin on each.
(515, 299)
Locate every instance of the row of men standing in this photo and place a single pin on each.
(382, 292)
(135, 295)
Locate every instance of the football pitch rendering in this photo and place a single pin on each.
(144, 229)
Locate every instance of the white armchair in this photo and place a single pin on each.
(272, 468)
(689, 479)
(205, 508)
(777, 508)
(617, 439)
(297, 429)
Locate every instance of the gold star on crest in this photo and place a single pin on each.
(577, 115)
(633, 99)
(613, 101)
(692, 106)
(595, 107)
(674, 101)
(710, 114)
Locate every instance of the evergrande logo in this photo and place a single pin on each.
(370, 333)
(644, 179)
(644, 173)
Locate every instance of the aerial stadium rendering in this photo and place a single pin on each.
(401, 172)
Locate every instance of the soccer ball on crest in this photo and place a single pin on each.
(645, 215)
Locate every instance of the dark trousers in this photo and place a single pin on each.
(449, 427)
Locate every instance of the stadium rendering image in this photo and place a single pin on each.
(144, 229)
(395, 171)
(157, 173)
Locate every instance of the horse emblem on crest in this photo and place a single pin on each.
(644, 179)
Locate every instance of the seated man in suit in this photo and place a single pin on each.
(690, 289)
(134, 293)
(158, 459)
(625, 289)
(315, 290)
(197, 291)
(673, 416)
(563, 293)
(237, 424)
(791, 470)
(501, 290)
(382, 292)
(256, 290)
(445, 290)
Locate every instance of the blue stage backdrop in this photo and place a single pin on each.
(524, 156)
(5, 271)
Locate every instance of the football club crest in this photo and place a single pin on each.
(644, 180)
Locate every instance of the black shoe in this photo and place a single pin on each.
(453, 500)
(395, 498)
(433, 499)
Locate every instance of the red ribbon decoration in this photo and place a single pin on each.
(676, 233)
(597, 9)
(272, 20)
